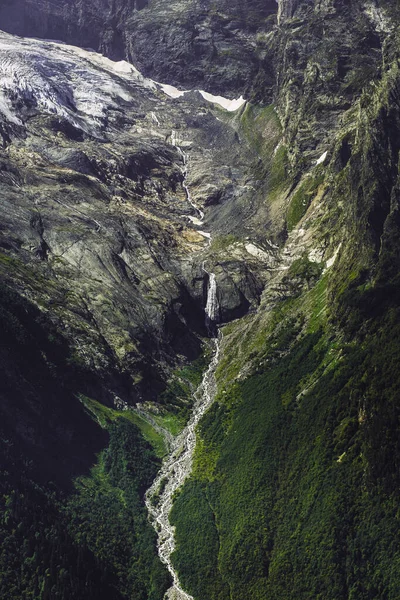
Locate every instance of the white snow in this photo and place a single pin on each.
(226, 103)
(79, 85)
(331, 261)
(170, 90)
(121, 68)
(229, 105)
(322, 158)
(59, 79)
(277, 147)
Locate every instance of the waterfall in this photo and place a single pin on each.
(212, 305)
(174, 142)
(177, 465)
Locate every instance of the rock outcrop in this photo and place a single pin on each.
(194, 44)
(297, 196)
(97, 223)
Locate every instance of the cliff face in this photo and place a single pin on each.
(295, 486)
(93, 193)
(102, 302)
(296, 466)
(196, 44)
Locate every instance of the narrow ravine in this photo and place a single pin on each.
(177, 466)
(175, 469)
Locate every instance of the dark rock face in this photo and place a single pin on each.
(214, 45)
(186, 42)
(96, 220)
(301, 204)
(327, 53)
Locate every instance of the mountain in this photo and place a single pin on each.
(123, 200)
(194, 43)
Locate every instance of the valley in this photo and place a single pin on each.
(199, 300)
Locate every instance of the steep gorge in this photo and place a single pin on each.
(294, 491)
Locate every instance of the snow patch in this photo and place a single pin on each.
(59, 79)
(121, 68)
(170, 90)
(331, 261)
(229, 105)
(279, 144)
(226, 103)
(322, 158)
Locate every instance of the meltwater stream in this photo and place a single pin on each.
(178, 464)
(173, 473)
(196, 220)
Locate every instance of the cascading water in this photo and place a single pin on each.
(175, 469)
(178, 464)
(212, 305)
(174, 142)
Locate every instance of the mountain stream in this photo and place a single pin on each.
(177, 465)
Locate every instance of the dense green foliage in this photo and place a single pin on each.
(301, 494)
(108, 514)
(38, 557)
(93, 543)
(177, 399)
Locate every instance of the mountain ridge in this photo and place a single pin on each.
(294, 487)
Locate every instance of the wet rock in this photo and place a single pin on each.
(192, 43)
(96, 226)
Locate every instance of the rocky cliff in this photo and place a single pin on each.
(105, 260)
(194, 43)
(97, 219)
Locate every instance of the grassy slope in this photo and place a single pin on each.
(300, 499)
(91, 540)
(295, 491)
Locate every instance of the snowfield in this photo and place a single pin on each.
(76, 84)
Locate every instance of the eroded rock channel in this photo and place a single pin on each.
(178, 464)
(175, 470)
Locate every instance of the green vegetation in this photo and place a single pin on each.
(177, 399)
(108, 514)
(258, 123)
(270, 334)
(105, 416)
(295, 485)
(302, 198)
(91, 541)
(170, 421)
(262, 129)
(279, 169)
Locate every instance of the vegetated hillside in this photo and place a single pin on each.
(295, 491)
(60, 541)
(295, 487)
(102, 306)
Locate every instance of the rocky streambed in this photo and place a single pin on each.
(178, 464)
(176, 468)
